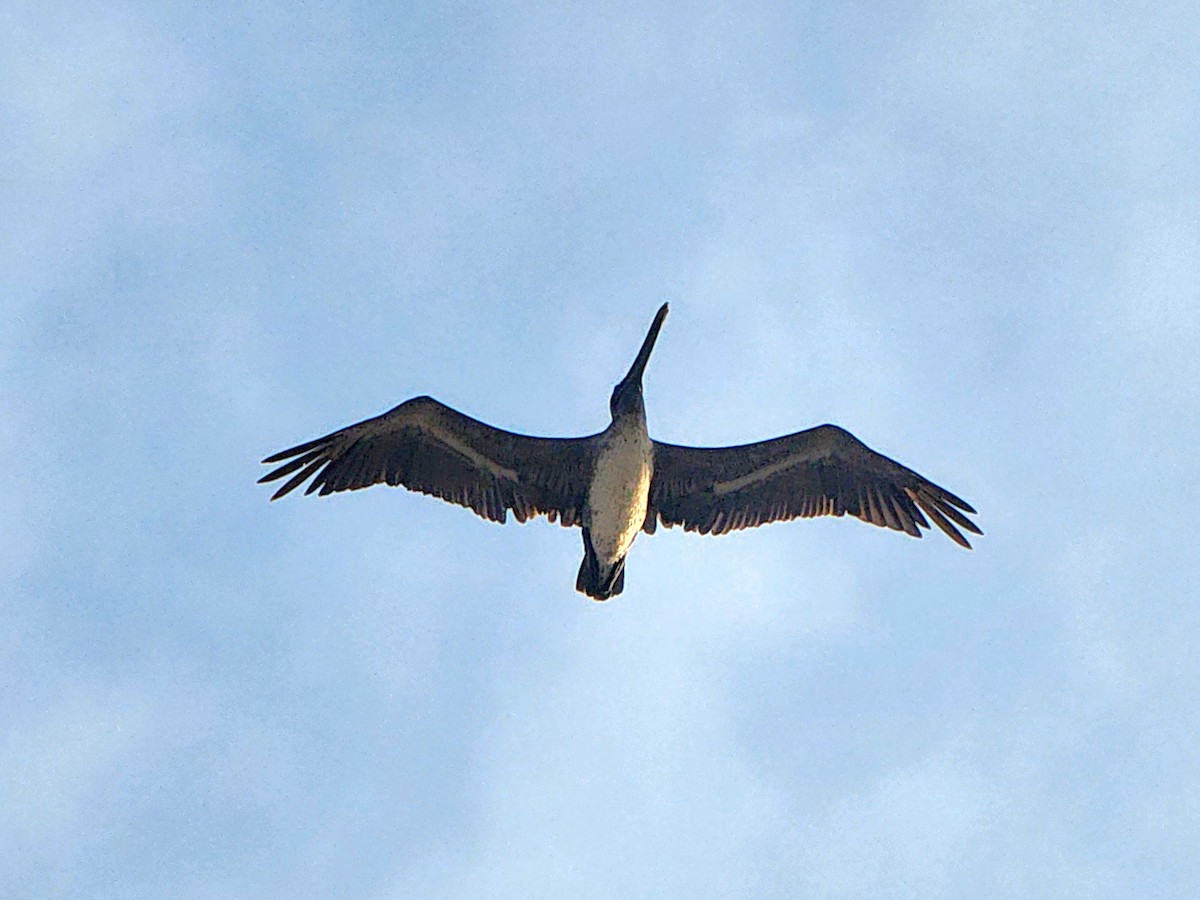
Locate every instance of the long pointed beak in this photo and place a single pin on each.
(639, 364)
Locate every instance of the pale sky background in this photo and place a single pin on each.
(970, 233)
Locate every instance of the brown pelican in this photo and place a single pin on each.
(619, 482)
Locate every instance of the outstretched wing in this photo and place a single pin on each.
(824, 471)
(426, 446)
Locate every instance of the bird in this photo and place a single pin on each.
(620, 482)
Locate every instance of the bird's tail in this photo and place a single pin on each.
(597, 580)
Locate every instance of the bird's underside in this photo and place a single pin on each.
(426, 446)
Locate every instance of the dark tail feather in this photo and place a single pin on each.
(593, 579)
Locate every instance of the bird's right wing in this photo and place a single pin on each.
(824, 471)
(426, 446)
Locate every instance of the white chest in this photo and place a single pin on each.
(620, 491)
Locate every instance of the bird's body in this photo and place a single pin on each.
(620, 481)
(617, 499)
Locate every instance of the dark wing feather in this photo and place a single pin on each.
(426, 446)
(824, 471)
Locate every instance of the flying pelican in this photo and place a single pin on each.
(619, 482)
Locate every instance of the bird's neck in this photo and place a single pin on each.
(630, 420)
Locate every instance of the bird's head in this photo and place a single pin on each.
(627, 395)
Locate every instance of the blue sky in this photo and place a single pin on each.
(967, 232)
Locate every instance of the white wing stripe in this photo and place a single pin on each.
(736, 484)
(470, 453)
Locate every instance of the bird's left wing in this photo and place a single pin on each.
(426, 446)
(824, 471)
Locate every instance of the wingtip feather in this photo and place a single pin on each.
(946, 525)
